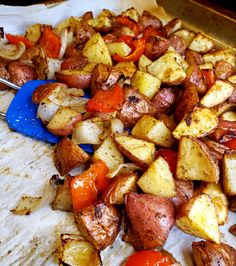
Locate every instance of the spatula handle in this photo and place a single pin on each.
(10, 84)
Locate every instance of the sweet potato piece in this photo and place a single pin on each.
(146, 215)
(206, 253)
(99, 223)
(194, 76)
(186, 102)
(184, 192)
(68, 155)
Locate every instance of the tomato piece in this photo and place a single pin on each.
(170, 156)
(126, 21)
(15, 39)
(209, 77)
(84, 187)
(106, 101)
(231, 144)
(50, 42)
(138, 50)
(149, 258)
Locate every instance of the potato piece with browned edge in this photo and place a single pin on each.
(63, 121)
(147, 214)
(173, 26)
(218, 198)
(199, 123)
(126, 68)
(186, 35)
(99, 223)
(158, 179)
(96, 50)
(218, 93)
(201, 43)
(153, 130)
(229, 170)
(123, 184)
(169, 68)
(206, 253)
(184, 192)
(76, 250)
(195, 161)
(63, 200)
(137, 150)
(108, 152)
(146, 84)
(232, 204)
(68, 155)
(120, 48)
(197, 217)
(143, 63)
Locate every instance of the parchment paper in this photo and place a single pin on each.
(26, 165)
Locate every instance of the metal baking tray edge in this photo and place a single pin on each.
(199, 17)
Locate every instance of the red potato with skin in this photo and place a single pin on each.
(178, 44)
(147, 19)
(84, 32)
(225, 131)
(74, 78)
(164, 100)
(150, 219)
(193, 57)
(155, 47)
(20, 73)
(5, 75)
(74, 62)
(223, 69)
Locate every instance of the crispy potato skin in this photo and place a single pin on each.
(74, 62)
(172, 26)
(134, 106)
(20, 73)
(164, 100)
(5, 75)
(151, 219)
(99, 223)
(223, 69)
(68, 155)
(186, 102)
(206, 253)
(103, 77)
(45, 90)
(217, 150)
(178, 44)
(147, 19)
(193, 57)
(155, 47)
(184, 192)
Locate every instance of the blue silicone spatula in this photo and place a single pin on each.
(21, 115)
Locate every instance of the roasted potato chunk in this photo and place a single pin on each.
(96, 50)
(68, 155)
(169, 68)
(108, 152)
(75, 250)
(197, 217)
(195, 161)
(99, 223)
(63, 200)
(123, 184)
(223, 69)
(143, 63)
(218, 198)
(158, 179)
(153, 130)
(146, 215)
(229, 166)
(199, 123)
(173, 26)
(186, 35)
(126, 68)
(155, 47)
(206, 253)
(138, 151)
(201, 43)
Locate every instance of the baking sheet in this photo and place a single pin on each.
(26, 165)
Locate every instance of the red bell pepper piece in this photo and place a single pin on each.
(84, 187)
(231, 144)
(50, 42)
(126, 38)
(15, 39)
(106, 101)
(170, 156)
(139, 48)
(126, 21)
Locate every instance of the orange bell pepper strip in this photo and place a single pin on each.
(139, 48)
(15, 39)
(106, 101)
(149, 258)
(85, 187)
(50, 42)
(128, 22)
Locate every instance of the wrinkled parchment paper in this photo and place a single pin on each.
(26, 165)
